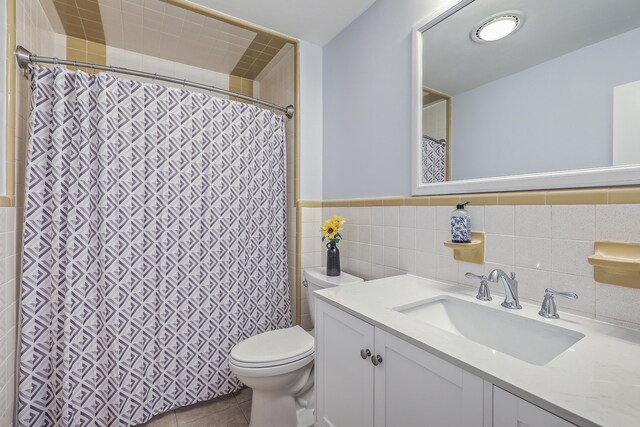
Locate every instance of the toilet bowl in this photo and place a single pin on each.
(278, 365)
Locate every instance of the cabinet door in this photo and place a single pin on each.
(511, 411)
(416, 388)
(343, 379)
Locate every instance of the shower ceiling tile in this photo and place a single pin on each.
(116, 4)
(159, 28)
(129, 8)
(80, 19)
(175, 11)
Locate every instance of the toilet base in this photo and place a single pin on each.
(270, 410)
(305, 417)
(282, 400)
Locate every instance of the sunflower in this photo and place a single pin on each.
(331, 230)
(340, 220)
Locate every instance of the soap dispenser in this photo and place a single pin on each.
(461, 225)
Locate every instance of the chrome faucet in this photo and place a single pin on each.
(549, 309)
(510, 288)
(483, 292)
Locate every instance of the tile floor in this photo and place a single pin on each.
(233, 410)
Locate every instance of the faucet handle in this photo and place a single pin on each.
(470, 275)
(483, 292)
(549, 309)
(569, 295)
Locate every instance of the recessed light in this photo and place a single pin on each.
(497, 27)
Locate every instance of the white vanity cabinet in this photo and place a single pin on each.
(415, 388)
(345, 396)
(511, 411)
(408, 387)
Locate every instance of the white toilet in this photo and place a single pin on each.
(278, 365)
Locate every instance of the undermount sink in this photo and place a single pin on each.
(531, 341)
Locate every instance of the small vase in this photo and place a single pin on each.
(333, 259)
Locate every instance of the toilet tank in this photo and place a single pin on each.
(315, 279)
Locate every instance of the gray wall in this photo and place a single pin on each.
(366, 102)
(555, 116)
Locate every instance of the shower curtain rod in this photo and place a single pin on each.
(24, 58)
(437, 141)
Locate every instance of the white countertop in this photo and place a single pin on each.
(595, 382)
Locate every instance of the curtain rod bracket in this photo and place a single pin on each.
(23, 57)
(288, 111)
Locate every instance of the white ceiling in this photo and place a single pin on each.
(453, 63)
(314, 21)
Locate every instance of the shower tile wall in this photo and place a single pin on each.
(276, 84)
(34, 32)
(547, 246)
(128, 59)
(8, 313)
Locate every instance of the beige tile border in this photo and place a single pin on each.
(7, 201)
(576, 197)
(630, 195)
(308, 204)
(523, 198)
(592, 196)
(240, 85)
(262, 49)
(298, 287)
(296, 178)
(82, 50)
(81, 19)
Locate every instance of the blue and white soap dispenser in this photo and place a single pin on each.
(460, 225)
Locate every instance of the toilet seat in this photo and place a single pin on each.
(273, 352)
(273, 363)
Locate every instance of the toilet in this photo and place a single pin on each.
(278, 365)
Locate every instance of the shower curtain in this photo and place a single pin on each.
(434, 159)
(154, 241)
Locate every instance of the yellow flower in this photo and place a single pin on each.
(340, 220)
(330, 229)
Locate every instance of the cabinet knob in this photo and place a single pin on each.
(376, 360)
(365, 352)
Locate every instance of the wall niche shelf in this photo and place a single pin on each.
(616, 263)
(469, 252)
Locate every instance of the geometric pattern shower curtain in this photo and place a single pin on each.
(434, 159)
(154, 241)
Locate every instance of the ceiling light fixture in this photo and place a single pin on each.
(497, 27)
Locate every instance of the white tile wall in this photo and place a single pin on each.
(8, 314)
(546, 246)
(128, 59)
(34, 32)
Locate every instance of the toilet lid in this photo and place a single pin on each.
(273, 348)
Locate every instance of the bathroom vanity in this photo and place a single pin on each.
(408, 351)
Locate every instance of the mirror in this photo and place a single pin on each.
(560, 93)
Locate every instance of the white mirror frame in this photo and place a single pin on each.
(577, 178)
